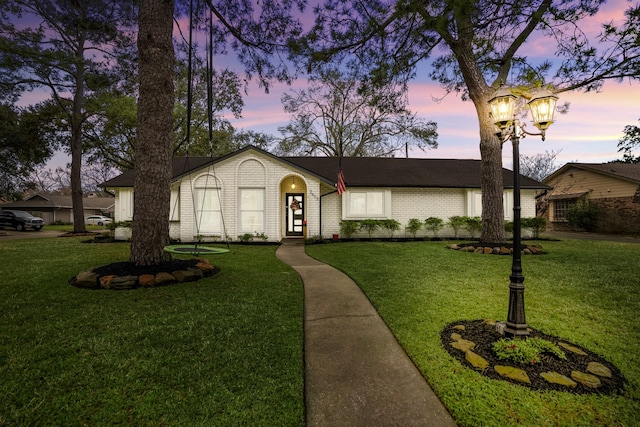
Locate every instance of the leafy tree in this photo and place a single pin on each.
(255, 32)
(539, 166)
(70, 51)
(369, 225)
(477, 46)
(630, 142)
(23, 146)
(339, 116)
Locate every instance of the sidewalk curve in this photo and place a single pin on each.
(356, 373)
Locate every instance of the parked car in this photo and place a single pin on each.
(20, 220)
(97, 220)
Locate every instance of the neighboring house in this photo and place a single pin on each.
(54, 208)
(254, 192)
(613, 187)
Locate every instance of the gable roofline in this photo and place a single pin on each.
(620, 170)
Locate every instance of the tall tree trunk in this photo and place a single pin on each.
(76, 142)
(155, 133)
(491, 179)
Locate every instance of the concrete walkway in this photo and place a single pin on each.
(356, 373)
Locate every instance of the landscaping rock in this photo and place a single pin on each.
(505, 251)
(105, 281)
(123, 282)
(147, 280)
(586, 379)
(85, 280)
(463, 345)
(164, 278)
(459, 327)
(456, 337)
(571, 348)
(598, 369)
(556, 378)
(512, 373)
(476, 361)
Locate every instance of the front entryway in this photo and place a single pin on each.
(294, 214)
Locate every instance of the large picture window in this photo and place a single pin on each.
(367, 204)
(252, 210)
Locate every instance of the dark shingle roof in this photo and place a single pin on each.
(364, 171)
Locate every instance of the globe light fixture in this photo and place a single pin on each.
(542, 106)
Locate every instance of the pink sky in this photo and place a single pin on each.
(588, 133)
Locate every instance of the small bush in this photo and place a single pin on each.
(583, 215)
(456, 222)
(434, 225)
(413, 226)
(369, 225)
(348, 228)
(391, 225)
(525, 351)
(473, 225)
(536, 224)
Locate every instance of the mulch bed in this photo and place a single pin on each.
(484, 335)
(126, 268)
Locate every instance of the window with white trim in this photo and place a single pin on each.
(208, 212)
(251, 210)
(366, 204)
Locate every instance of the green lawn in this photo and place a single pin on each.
(225, 350)
(586, 292)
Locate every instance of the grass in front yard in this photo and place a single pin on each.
(583, 291)
(225, 350)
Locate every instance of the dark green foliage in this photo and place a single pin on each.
(525, 351)
(347, 228)
(369, 225)
(537, 225)
(434, 225)
(456, 222)
(390, 225)
(472, 225)
(583, 215)
(413, 226)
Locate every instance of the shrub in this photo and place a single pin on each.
(369, 225)
(583, 215)
(473, 225)
(347, 228)
(456, 222)
(391, 225)
(525, 351)
(434, 225)
(536, 224)
(413, 226)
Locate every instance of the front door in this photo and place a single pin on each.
(295, 214)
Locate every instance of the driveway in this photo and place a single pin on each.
(589, 236)
(11, 234)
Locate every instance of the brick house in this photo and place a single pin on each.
(253, 191)
(613, 187)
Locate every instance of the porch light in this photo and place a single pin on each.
(293, 183)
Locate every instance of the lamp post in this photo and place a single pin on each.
(542, 106)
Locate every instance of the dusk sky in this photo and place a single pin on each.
(588, 133)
